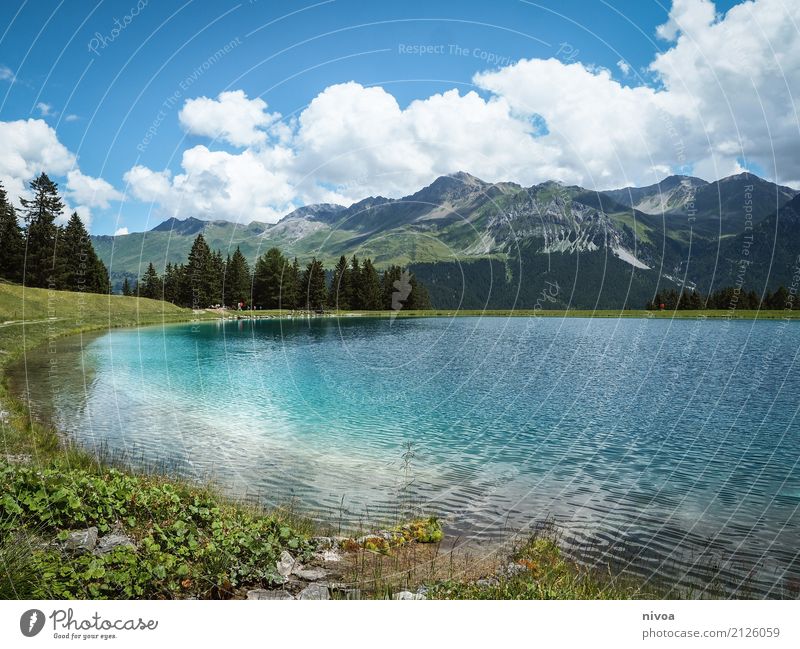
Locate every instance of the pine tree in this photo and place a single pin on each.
(102, 282)
(355, 293)
(779, 299)
(418, 299)
(671, 300)
(41, 231)
(752, 300)
(79, 267)
(238, 282)
(12, 243)
(171, 283)
(126, 287)
(197, 291)
(268, 279)
(216, 278)
(291, 294)
(370, 286)
(341, 285)
(390, 276)
(150, 285)
(313, 286)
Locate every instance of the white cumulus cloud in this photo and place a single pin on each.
(30, 147)
(90, 191)
(216, 184)
(231, 117)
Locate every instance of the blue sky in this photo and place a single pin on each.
(101, 90)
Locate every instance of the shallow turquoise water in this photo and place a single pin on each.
(672, 445)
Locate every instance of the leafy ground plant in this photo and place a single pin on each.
(187, 541)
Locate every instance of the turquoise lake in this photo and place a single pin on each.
(669, 448)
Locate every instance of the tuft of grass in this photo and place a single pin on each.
(540, 570)
(18, 574)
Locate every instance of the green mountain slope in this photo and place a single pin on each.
(461, 234)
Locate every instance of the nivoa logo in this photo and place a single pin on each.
(31, 622)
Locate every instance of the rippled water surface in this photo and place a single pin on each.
(670, 444)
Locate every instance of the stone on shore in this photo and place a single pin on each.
(261, 594)
(323, 542)
(81, 541)
(310, 574)
(329, 556)
(112, 541)
(285, 564)
(405, 594)
(315, 591)
(487, 582)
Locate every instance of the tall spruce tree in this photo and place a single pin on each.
(314, 291)
(341, 285)
(80, 269)
(268, 278)
(172, 286)
(150, 285)
(695, 301)
(198, 285)
(216, 278)
(41, 232)
(126, 287)
(291, 293)
(355, 296)
(370, 286)
(390, 276)
(778, 300)
(101, 277)
(238, 282)
(418, 299)
(12, 242)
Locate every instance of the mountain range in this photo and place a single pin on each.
(498, 245)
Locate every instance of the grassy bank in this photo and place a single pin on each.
(186, 540)
(30, 317)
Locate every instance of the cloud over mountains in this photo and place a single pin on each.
(718, 96)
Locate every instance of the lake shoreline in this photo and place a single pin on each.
(45, 446)
(685, 314)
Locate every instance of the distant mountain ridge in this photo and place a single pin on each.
(634, 239)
